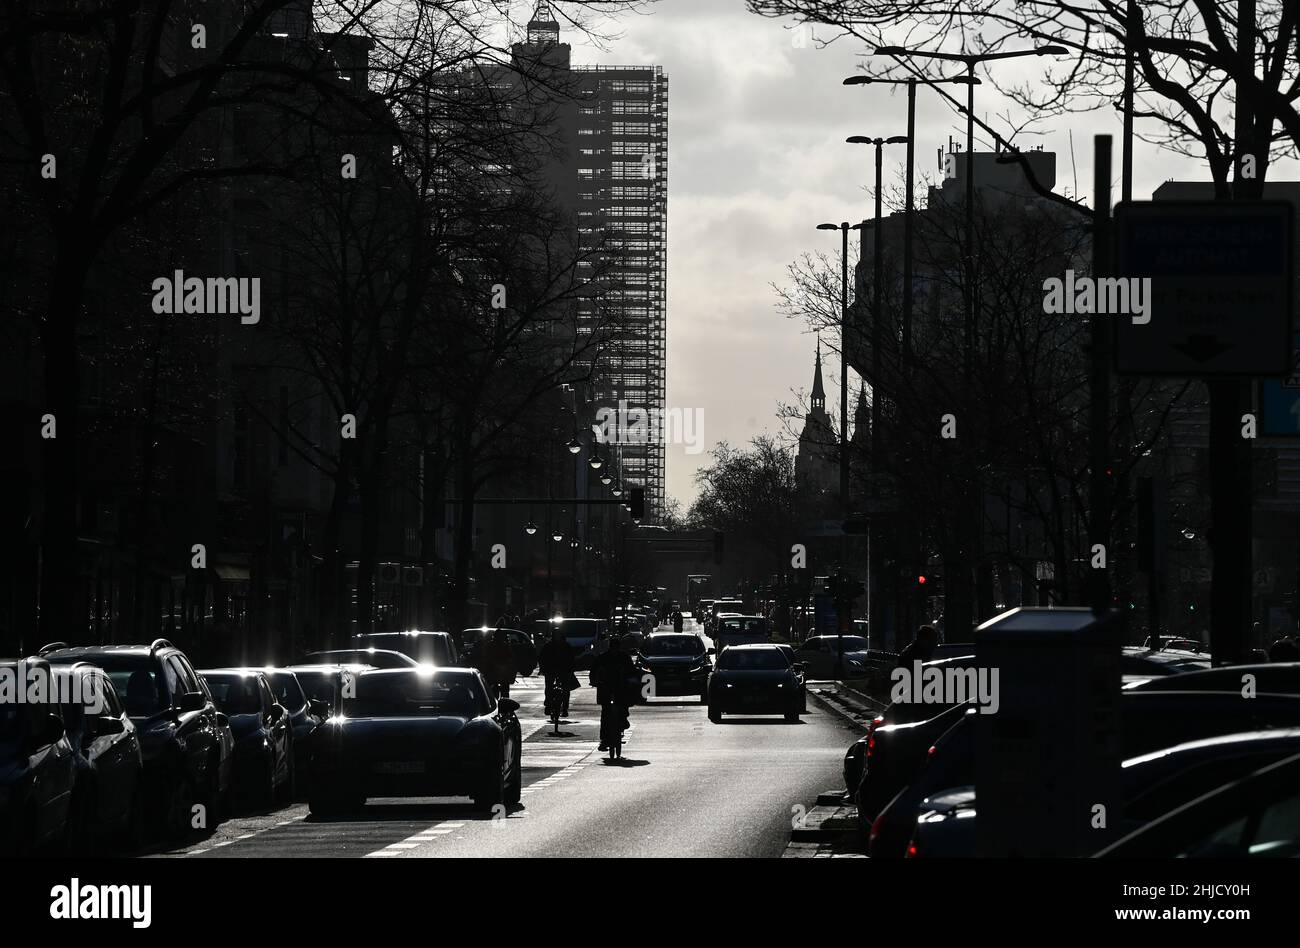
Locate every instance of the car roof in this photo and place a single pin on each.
(754, 646)
(86, 652)
(242, 672)
(413, 633)
(739, 615)
(421, 670)
(1242, 739)
(328, 667)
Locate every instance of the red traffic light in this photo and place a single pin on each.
(920, 580)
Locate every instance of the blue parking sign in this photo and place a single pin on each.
(1279, 401)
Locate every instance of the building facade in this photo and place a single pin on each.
(611, 173)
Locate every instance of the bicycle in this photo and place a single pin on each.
(611, 728)
(555, 695)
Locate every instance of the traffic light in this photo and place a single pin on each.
(921, 580)
(636, 501)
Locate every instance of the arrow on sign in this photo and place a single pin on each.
(1203, 348)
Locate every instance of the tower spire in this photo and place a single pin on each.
(818, 391)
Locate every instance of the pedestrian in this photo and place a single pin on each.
(921, 649)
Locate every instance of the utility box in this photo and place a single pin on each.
(1047, 761)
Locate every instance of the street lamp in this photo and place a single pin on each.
(877, 278)
(595, 461)
(910, 212)
(843, 228)
(574, 445)
(530, 528)
(557, 536)
(970, 60)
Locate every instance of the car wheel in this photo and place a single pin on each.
(214, 800)
(266, 792)
(515, 788)
(180, 808)
(704, 697)
(715, 715)
(792, 717)
(325, 804)
(76, 837)
(289, 789)
(493, 795)
(133, 834)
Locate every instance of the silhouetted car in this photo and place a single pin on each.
(819, 653)
(754, 679)
(374, 657)
(108, 798)
(431, 648)
(583, 635)
(185, 740)
(418, 732)
(679, 663)
(325, 683)
(521, 646)
(38, 768)
(263, 732)
(1256, 816)
(1154, 724)
(739, 629)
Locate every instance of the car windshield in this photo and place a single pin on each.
(416, 694)
(141, 691)
(318, 686)
(235, 694)
(287, 691)
(742, 625)
(753, 658)
(577, 629)
(673, 645)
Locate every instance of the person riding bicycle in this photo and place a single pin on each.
(498, 664)
(613, 674)
(555, 662)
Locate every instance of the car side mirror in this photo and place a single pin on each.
(712, 650)
(108, 724)
(49, 732)
(277, 712)
(507, 705)
(190, 701)
(319, 708)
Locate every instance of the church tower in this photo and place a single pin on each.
(815, 466)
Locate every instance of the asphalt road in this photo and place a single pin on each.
(685, 787)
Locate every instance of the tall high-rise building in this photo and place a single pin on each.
(611, 172)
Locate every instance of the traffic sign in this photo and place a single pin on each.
(1222, 280)
(1279, 402)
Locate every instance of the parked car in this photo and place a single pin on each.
(38, 770)
(1163, 732)
(185, 741)
(1255, 816)
(679, 662)
(374, 657)
(108, 796)
(754, 679)
(429, 648)
(521, 646)
(264, 771)
(945, 826)
(418, 732)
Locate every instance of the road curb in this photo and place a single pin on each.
(859, 718)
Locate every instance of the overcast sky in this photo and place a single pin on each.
(756, 156)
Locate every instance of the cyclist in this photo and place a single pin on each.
(613, 674)
(555, 662)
